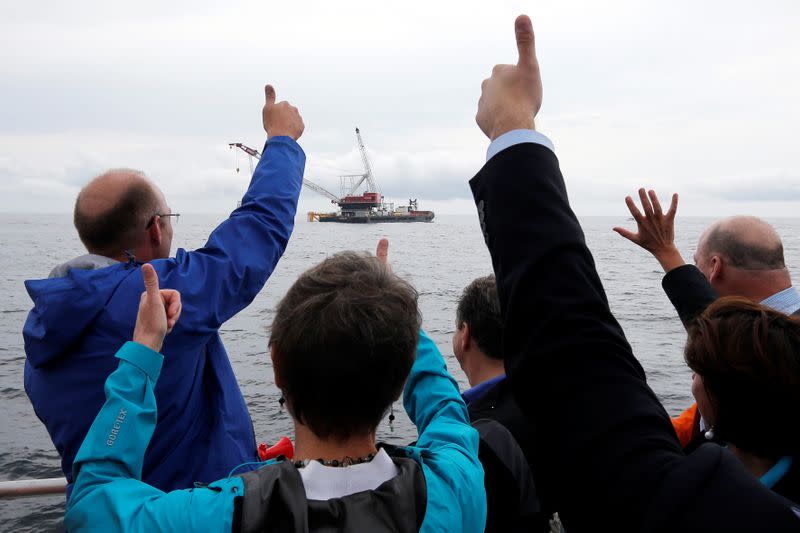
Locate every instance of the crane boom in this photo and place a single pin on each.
(246, 149)
(321, 190)
(368, 176)
(306, 183)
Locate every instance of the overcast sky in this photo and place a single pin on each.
(699, 98)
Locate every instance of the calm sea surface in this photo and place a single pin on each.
(438, 258)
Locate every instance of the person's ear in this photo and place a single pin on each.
(154, 232)
(466, 339)
(273, 352)
(717, 270)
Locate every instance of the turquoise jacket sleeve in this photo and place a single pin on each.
(108, 494)
(447, 446)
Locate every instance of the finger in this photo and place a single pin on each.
(673, 207)
(646, 207)
(269, 93)
(172, 300)
(656, 204)
(150, 281)
(631, 236)
(635, 213)
(523, 30)
(383, 251)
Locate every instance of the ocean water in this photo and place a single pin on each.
(438, 258)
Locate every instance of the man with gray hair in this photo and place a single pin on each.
(86, 309)
(736, 256)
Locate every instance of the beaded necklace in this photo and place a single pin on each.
(347, 461)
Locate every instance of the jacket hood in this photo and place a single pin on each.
(67, 303)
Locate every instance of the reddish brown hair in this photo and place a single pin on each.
(749, 358)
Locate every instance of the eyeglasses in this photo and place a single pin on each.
(153, 219)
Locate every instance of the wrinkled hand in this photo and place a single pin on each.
(512, 96)
(382, 252)
(280, 118)
(159, 310)
(655, 229)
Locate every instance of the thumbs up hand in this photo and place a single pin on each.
(159, 310)
(512, 96)
(280, 118)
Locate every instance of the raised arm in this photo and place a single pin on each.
(221, 278)
(570, 366)
(447, 447)
(108, 494)
(448, 443)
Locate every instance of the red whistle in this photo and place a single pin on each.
(283, 447)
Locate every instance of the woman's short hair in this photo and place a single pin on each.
(749, 358)
(345, 338)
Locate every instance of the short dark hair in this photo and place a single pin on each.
(744, 254)
(479, 307)
(345, 338)
(117, 229)
(749, 358)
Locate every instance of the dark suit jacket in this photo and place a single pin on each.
(610, 459)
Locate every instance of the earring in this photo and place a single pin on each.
(281, 401)
(710, 434)
(391, 418)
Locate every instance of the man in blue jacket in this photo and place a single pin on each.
(87, 308)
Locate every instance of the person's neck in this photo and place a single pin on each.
(758, 285)
(758, 466)
(483, 369)
(308, 446)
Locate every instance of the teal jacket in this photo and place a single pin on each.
(109, 495)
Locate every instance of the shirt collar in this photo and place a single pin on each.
(786, 301)
(481, 388)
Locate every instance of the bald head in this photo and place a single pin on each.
(112, 210)
(746, 243)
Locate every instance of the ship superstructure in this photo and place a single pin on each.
(367, 207)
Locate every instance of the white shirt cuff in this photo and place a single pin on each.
(510, 138)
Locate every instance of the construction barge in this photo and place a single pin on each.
(369, 208)
(366, 208)
(371, 218)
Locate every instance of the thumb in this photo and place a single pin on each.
(269, 92)
(523, 29)
(150, 281)
(383, 250)
(631, 236)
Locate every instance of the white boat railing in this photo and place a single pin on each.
(32, 487)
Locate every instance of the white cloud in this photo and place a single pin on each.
(679, 96)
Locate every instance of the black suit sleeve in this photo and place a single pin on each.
(605, 451)
(689, 291)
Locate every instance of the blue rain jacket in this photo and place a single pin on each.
(79, 320)
(109, 496)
